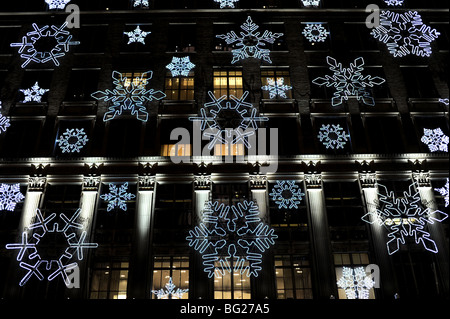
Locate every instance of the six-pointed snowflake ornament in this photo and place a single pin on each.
(54, 247)
(136, 36)
(404, 217)
(311, 3)
(117, 197)
(128, 96)
(143, 3)
(180, 66)
(46, 44)
(315, 32)
(394, 3)
(57, 4)
(355, 283)
(349, 82)
(276, 88)
(4, 121)
(287, 194)
(405, 34)
(250, 43)
(226, 3)
(72, 140)
(10, 195)
(444, 101)
(444, 192)
(435, 139)
(333, 136)
(34, 94)
(231, 239)
(228, 122)
(170, 292)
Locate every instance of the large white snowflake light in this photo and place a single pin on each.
(315, 32)
(136, 36)
(45, 44)
(250, 43)
(405, 33)
(180, 66)
(10, 195)
(117, 197)
(72, 140)
(57, 4)
(435, 139)
(44, 247)
(34, 94)
(349, 82)
(276, 88)
(311, 3)
(128, 96)
(333, 136)
(287, 194)
(356, 283)
(228, 122)
(170, 292)
(444, 192)
(231, 239)
(226, 3)
(4, 121)
(404, 217)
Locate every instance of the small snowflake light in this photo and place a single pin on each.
(444, 192)
(394, 3)
(226, 3)
(117, 197)
(333, 136)
(250, 43)
(170, 292)
(180, 66)
(356, 283)
(436, 140)
(276, 88)
(10, 195)
(311, 3)
(287, 194)
(405, 34)
(72, 140)
(57, 4)
(444, 101)
(315, 32)
(349, 82)
(4, 121)
(137, 36)
(34, 94)
(143, 3)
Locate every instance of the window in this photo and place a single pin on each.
(172, 147)
(170, 150)
(335, 135)
(59, 198)
(176, 268)
(232, 285)
(229, 150)
(44, 79)
(384, 133)
(109, 280)
(182, 38)
(22, 138)
(293, 277)
(279, 78)
(124, 137)
(228, 82)
(430, 122)
(179, 88)
(419, 82)
(93, 39)
(81, 84)
(8, 35)
(136, 45)
(77, 140)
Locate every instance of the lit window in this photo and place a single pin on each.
(231, 285)
(109, 281)
(179, 88)
(229, 150)
(176, 150)
(228, 83)
(176, 268)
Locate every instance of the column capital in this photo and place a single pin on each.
(91, 183)
(422, 178)
(202, 182)
(258, 182)
(147, 182)
(37, 183)
(313, 180)
(368, 179)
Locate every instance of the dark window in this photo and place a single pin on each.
(385, 135)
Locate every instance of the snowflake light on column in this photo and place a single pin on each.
(231, 239)
(34, 94)
(394, 3)
(57, 4)
(405, 34)
(250, 43)
(311, 3)
(315, 32)
(287, 194)
(180, 66)
(276, 88)
(72, 140)
(444, 192)
(35, 45)
(355, 283)
(117, 197)
(143, 3)
(349, 82)
(226, 3)
(10, 195)
(128, 95)
(435, 139)
(136, 36)
(333, 136)
(404, 217)
(228, 122)
(170, 292)
(49, 257)
(4, 121)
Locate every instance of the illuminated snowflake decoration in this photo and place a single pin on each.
(170, 292)
(231, 239)
(349, 82)
(34, 94)
(394, 3)
(250, 43)
(287, 194)
(117, 197)
(10, 195)
(4, 121)
(333, 136)
(35, 45)
(137, 36)
(404, 217)
(180, 66)
(226, 3)
(435, 139)
(444, 101)
(355, 283)
(128, 96)
(315, 32)
(276, 88)
(228, 122)
(45, 248)
(444, 192)
(311, 3)
(72, 140)
(143, 3)
(57, 4)
(405, 34)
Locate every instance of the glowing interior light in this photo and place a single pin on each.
(444, 192)
(436, 140)
(34, 94)
(72, 140)
(117, 197)
(170, 292)
(355, 283)
(333, 136)
(137, 36)
(276, 88)
(315, 32)
(180, 66)
(287, 194)
(10, 195)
